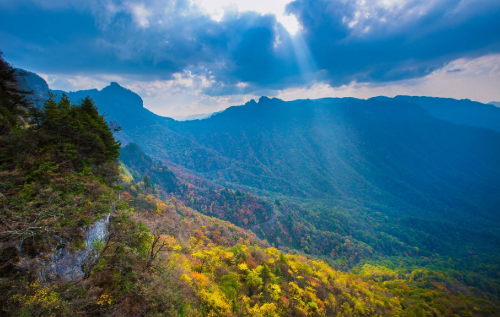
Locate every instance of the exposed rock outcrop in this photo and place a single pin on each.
(68, 265)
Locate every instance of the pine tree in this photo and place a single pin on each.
(147, 182)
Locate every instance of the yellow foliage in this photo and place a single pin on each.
(244, 248)
(187, 279)
(243, 267)
(274, 291)
(38, 298)
(104, 299)
(193, 240)
(201, 255)
(378, 273)
(197, 243)
(226, 255)
(266, 310)
(160, 207)
(296, 292)
(171, 243)
(216, 303)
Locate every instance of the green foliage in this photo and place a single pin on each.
(349, 237)
(59, 168)
(13, 105)
(76, 136)
(355, 179)
(166, 255)
(235, 206)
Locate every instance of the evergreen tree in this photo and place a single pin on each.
(147, 182)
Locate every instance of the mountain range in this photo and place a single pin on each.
(428, 165)
(327, 207)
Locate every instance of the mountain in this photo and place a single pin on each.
(357, 207)
(495, 103)
(430, 177)
(115, 102)
(194, 117)
(336, 148)
(119, 104)
(465, 112)
(419, 172)
(29, 81)
(450, 283)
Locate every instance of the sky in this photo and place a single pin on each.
(189, 57)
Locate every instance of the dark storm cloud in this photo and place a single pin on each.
(388, 40)
(340, 41)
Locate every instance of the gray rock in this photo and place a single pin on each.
(68, 265)
(29, 81)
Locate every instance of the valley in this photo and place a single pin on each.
(327, 207)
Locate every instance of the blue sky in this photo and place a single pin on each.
(198, 56)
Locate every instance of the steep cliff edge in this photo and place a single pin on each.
(58, 169)
(68, 265)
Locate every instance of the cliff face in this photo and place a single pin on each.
(68, 265)
(29, 81)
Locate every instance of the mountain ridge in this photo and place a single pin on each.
(40, 87)
(392, 155)
(402, 202)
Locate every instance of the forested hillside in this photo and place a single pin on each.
(381, 173)
(335, 207)
(464, 112)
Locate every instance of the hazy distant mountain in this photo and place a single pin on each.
(429, 166)
(347, 149)
(385, 155)
(119, 104)
(194, 116)
(464, 111)
(352, 150)
(114, 101)
(104, 238)
(495, 103)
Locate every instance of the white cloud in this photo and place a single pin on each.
(140, 14)
(477, 79)
(183, 95)
(216, 9)
(388, 12)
